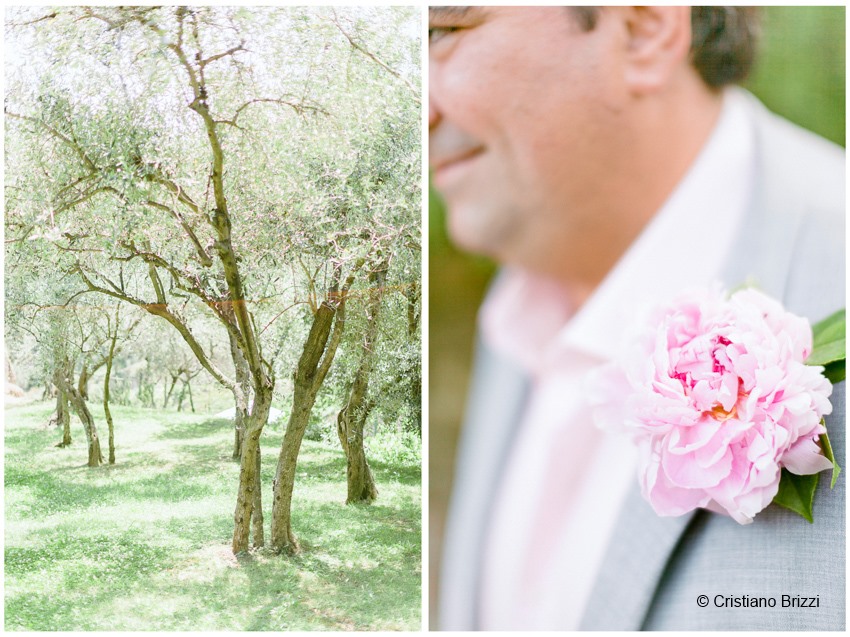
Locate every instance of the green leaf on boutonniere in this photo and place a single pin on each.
(835, 372)
(797, 493)
(826, 447)
(829, 341)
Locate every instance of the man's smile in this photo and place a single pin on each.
(448, 167)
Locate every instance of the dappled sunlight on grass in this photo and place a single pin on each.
(144, 544)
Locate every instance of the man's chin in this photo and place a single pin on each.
(470, 231)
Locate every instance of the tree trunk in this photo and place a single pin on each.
(109, 358)
(257, 511)
(241, 395)
(12, 388)
(83, 382)
(351, 419)
(56, 416)
(62, 418)
(412, 331)
(191, 400)
(412, 296)
(283, 539)
(181, 396)
(239, 423)
(66, 423)
(167, 397)
(146, 388)
(248, 483)
(82, 409)
(250, 418)
(109, 425)
(416, 400)
(238, 431)
(249, 498)
(65, 383)
(312, 367)
(11, 377)
(49, 391)
(361, 482)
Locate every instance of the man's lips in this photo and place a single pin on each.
(444, 166)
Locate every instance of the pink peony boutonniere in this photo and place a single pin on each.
(725, 398)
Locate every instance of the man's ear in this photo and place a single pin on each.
(658, 41)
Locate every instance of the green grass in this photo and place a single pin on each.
(144, 544)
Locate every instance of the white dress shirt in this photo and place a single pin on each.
(564, 481)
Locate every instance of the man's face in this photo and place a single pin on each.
(523, 114)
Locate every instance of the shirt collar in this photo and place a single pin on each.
(529, 319)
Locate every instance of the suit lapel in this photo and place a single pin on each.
(643, 542)
(636, 557)
(761, 253)
(497, 398)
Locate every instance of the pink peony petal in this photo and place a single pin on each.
(685, 471)
(805, 458)
(683, 440)
(668, 499)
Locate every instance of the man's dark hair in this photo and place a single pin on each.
(723, 42)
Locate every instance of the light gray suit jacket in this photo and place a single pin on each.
(792, 244)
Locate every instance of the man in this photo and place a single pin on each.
(596, 154)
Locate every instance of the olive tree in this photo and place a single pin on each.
(162, 150)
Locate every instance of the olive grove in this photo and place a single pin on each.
(243, 180)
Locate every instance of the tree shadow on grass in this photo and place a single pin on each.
(24, 443)
(314, 590)
(203, 429)
(368, 583)
(122, 552)
(373, 591)
(376, 533)
(404, 473)
(331, 464)
(359, 570)
(74, 488)
(257, 593)
(35, 611)
(84, 573)
(320, 470)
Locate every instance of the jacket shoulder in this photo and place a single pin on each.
(799, 216)
(803, 162)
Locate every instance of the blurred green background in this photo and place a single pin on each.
(799, 74)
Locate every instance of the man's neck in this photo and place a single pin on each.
(665, 139)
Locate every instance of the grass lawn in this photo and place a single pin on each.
(145, 544)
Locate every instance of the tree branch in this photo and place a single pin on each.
(157, 177)
(72, 144)
(296, 106)
(49, 16)
(162, 311)
(205, 259)
(378, 61)
(182, 280)
(218, 56)
(338, 297)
